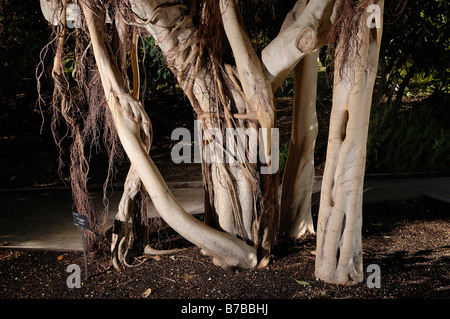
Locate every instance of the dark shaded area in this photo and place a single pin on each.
(27, 151)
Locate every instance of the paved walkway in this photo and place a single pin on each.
(43, 219)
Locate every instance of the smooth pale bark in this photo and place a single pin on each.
(129, 118)
(124, 219)
(304, 30)
(169, 22)
(339, 243)
(159, 20)
(298, 178)
(171, 26)
(258, 94)
(51, 11)
(234, 202)
(175, 34)
(255, 85)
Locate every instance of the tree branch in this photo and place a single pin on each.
(304, 30)
(255, 85)
(226, 249)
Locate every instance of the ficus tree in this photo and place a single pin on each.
(230, 85)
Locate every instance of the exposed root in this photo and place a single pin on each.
(121, 248)
(157, 252)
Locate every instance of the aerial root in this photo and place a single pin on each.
(120, 252)
(148, 250)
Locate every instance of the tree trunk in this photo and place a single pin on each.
(132, 123)
(298, 179)
(241, 202)
(339, 243)
(243, 198)
(242, 213)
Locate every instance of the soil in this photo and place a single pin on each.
(408, 240)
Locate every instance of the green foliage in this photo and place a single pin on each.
(69, 62)
(260, 40)
(264, 17)
(324, 88)
(415, 49)
(303, 283)
(410, 139)
(156, 72)
(287, 87)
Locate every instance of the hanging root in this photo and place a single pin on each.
(123, 238)
(152, 251)
(130, 121)
(127, 222)
(123, 245)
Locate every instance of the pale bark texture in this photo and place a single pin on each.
(240, 204)
(298, 179)
(242, 209)
(339, 243)
(132, 123)
(304, 30)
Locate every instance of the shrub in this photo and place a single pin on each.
(410, 139)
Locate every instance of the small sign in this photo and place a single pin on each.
(81, 221)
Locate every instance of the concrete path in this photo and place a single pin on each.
(379, 190)
(43, 219)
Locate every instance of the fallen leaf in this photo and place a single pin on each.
(147, 293)
(156, 257)
(303, 283)
(377, 224)
(187, 277)
(60, 257)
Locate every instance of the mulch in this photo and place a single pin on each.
(408, 240)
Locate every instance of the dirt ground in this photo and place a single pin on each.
(408, 240)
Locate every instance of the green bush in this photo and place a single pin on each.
(410, 139)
